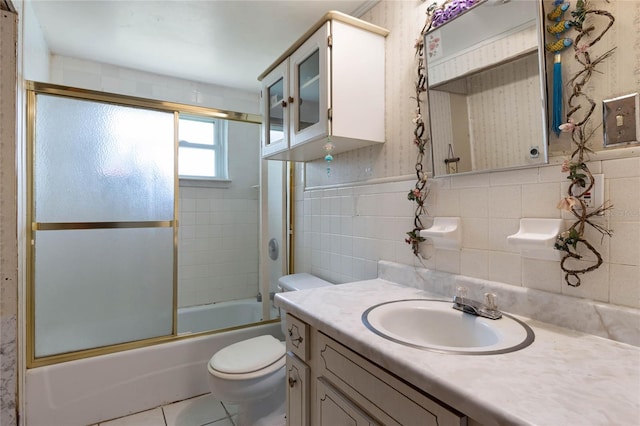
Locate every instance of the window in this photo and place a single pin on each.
(202, 150)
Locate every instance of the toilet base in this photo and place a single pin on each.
(269, 411)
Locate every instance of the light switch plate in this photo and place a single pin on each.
(621, 120)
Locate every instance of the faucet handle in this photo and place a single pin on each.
(490, 301)
(461, 292)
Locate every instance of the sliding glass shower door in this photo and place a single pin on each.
(103, 217)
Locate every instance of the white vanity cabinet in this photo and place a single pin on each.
(298, 372)
(327, 86)
(344, 388)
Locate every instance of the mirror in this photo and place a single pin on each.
(486, 89)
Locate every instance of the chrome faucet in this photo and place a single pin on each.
(488, 309)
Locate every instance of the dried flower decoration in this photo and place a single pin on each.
(582, 180)
(569, 126)
(567, 203)
(418, 194)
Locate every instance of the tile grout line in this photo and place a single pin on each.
(228, 414)
(164, 415)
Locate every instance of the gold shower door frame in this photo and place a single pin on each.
(35, 88)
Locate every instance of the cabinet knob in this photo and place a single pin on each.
(292, 382)
(291, 99)
(284, 104)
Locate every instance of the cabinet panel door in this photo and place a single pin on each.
(381, 394)
(309, 70)
(275, 110)
(297, 392)
(336, 410)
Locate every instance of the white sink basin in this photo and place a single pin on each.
(435, 325)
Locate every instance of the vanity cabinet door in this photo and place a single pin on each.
(334, 409)
(297, 392)
(388, 399)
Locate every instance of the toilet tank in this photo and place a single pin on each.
(295, 282)
(302, 281)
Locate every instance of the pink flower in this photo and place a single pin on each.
(417, 193)
(569, 126)
(582, 49)
(567, 203)
(566, 166)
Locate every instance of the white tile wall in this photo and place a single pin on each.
(346, 230)
(374, 219)
(218, 246)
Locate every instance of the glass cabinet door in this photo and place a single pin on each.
(275, 103)
(309, 86)
(276, 111)
(308, 91)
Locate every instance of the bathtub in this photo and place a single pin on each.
(215, 316)
(91, 390)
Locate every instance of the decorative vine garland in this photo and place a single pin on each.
(419, 194)
(436, 16)
(581, 178)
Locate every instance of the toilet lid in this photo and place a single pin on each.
(248, 355)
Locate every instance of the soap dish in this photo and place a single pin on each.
(536, 238)
(445, 233)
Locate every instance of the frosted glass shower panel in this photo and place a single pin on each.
(99, 162)
(102, 287)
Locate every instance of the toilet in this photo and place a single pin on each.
(251, 373)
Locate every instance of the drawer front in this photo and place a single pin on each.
(297, 337)
(387, 398)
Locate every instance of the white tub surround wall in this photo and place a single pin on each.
(218, 234)
(216, 316)
(92, 390)
(563, 377)
(218, 247)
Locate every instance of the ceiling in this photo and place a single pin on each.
(223, 42)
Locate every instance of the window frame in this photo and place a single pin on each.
(220, 147)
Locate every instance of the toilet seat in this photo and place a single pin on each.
(248, 359)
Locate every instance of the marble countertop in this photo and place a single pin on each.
(563, 378)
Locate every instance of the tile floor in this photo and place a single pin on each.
(198, 411)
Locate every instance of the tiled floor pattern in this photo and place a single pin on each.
(199, 411)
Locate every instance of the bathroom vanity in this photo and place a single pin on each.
(340, 372)
(341, 387)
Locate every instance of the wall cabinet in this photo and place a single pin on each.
(327, 86)
(344, 388)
